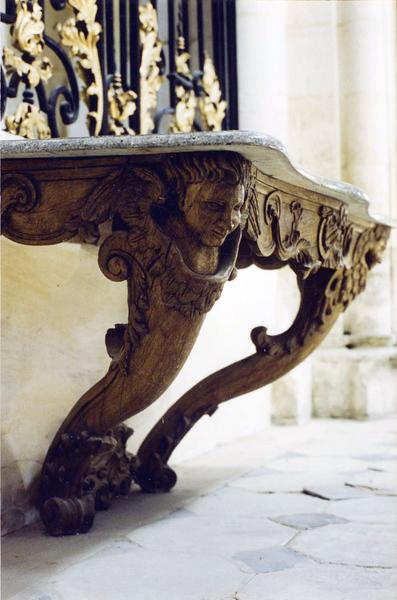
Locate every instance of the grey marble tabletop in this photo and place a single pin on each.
(268, 154)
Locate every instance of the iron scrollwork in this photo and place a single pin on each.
(26, 63)
(120, 85)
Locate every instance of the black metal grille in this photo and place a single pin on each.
(207, 27)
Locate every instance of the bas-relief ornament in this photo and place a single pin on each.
(31, 66)
(293, 244)
(348, 282)
(334, 236)
(274, 224)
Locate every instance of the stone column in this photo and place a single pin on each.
(263, 102)
(360, 380)
(262, 84)
(312, 113)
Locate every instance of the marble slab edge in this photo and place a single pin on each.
(267, 153)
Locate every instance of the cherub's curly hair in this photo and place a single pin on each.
(181, 170)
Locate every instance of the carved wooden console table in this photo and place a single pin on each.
(186, 212)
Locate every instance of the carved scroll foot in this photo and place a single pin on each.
(153, 474)
(155, 477)
(83, 474)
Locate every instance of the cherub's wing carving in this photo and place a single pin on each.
(128, 191)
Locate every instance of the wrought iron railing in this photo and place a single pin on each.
(133, 67)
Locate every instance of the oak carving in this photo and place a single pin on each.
(181, 227)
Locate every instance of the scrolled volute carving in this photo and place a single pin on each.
(19, 194)
(339, 290)
(291, 246)
(253, 229)
(84, 474)
(114, 258)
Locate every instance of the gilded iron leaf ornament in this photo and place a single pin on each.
(151, 77)
(199, 103)
(121, 105)
(185, 109)
(212, 107)
(28, 121)
(210, 104)
(80, 34)
(31, 67)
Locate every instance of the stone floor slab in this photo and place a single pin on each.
(317, 464)
(370, 509)
(268, 560)
(380, 482)
(321, 582)
(270, 481)
(304, 521)
(335, 492)
(359, 544)
(249, 504)
(124, 571)
(214, 537)
(217, 536)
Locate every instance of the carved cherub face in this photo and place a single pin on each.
(212, 210)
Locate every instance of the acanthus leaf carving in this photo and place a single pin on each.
(28, 121)
(334, 235)
(349, 282)
(200, 91)
(185, 293)
(338, 291)
(85, 473)
(324, 295)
